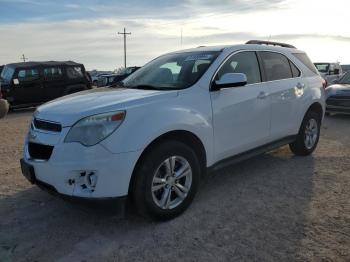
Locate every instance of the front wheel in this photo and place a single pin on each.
(308, 136)
(166, 180)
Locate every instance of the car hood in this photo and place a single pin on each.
(69, 109)
(338, 89)
(340, 86)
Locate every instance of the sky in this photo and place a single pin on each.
(86, 31)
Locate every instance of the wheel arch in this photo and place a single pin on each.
(183, 136)
(316, 107)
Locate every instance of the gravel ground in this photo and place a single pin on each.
(275, 207)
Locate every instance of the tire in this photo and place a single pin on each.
(308, 136)
(152, 180)
(4, 108)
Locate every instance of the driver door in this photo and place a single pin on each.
(241, 115)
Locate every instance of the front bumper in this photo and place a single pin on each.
(338, 104)
(114, 204)
(75, 170)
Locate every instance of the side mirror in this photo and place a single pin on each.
(229, 80)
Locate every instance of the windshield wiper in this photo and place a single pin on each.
(147, 87)
(117, 85)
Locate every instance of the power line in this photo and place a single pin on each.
(124, 34)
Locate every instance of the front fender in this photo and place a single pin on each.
(143, 124)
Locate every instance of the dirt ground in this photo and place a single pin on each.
(275, 207)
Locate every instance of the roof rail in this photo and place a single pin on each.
(259, 42)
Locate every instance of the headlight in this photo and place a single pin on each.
(91, 130)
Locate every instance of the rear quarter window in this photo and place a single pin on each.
(303, 58)
(74, 72)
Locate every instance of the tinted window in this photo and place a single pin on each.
(28, 74)
(276, 66)
(244, 62)
(52, 72)
(7, 73)
(74, 72)
(302, 57)
(295, 71)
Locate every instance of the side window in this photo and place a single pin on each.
(52, 72)
(28, 74)
(295, 71)
(302, 57)
(244, 62)
(276, 66)
(74, 72)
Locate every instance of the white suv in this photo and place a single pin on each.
(153, 136)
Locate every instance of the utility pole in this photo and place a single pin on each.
(181, 37)
(23, 58)
(124, 34)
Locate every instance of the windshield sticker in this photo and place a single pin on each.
(198, 57)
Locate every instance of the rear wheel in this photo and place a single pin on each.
(166, 180)
(309, 134)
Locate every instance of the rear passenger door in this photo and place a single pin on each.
(53, 82)
(286, 87)
(241, 115)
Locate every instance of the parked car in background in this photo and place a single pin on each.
(124, 73)
(105, 80)
(329, 71)
(155, 136)
(109, 79)
(96, 75)
(33, 83)
(338, 96)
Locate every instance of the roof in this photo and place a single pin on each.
(44, 63)
(258, 47)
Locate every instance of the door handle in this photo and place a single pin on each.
(300, 85)
(262, 95)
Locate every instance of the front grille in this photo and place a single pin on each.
(39, 151)
(338, 101)
(47, 126)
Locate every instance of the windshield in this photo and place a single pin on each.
(345, 79)
(323, 68)
(172, 71)
(7, 73)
